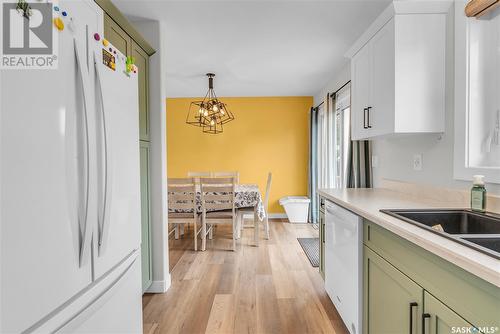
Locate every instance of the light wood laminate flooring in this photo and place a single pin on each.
(267, 289)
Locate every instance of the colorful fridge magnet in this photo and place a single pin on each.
(24, 8)
(105, 42)
(108, 59)
(97, 37)
(58, 23)
(129, 65)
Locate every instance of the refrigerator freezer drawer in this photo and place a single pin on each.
(110, 305)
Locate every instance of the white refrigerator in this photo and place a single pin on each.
(70, 188)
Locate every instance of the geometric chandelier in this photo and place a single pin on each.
(209, 114)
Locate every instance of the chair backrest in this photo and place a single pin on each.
(217, 194)
(197, 175)
(234, 174)
(268, 190)
(182, 195)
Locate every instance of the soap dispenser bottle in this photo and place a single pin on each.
(478, 194)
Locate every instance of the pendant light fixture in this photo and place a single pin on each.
(209, 114)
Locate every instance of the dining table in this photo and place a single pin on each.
(246, 196)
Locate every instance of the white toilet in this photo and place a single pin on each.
(296, 208)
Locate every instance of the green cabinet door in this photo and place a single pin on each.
(392, 301)
(439, 319)
(142, 63)
(117, 36)
(147, 274)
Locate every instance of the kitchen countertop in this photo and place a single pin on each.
(368, 202)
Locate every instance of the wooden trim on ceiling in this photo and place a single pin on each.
(477, 8)
(113, 12)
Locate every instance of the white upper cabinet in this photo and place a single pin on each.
(361, 90)
(398, 71)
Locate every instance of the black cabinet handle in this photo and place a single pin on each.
(424, 317)
(368, 118)
(412, 305)
(365, 126)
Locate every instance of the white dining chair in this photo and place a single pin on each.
(197, 175)
(182, 206)
(236, 175)
(218, 207)
(247, 211)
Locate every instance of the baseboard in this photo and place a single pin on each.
(159, 286)
(277, 215)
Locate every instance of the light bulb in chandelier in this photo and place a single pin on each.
(215, 108)
(212, 122)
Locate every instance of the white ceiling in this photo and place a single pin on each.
(256, 48)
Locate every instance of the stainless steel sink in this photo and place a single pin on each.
(480, 231)
(490, 243)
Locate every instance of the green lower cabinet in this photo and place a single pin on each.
(147, 271)
(392, 301)
(446, 298)
(439, 319)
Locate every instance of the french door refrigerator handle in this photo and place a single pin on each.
(87, 230)
(103, 219)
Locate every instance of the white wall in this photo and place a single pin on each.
(152, 32)
(395, 155)
(335, 83)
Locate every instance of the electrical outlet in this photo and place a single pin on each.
(417, 162)
(374, 161)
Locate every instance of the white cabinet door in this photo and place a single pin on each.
(119, 211)
(361, 92)
(398, 74)
(381, 108)
(46, 181)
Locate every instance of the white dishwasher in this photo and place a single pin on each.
(344, 264)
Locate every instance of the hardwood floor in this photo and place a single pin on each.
(269, 289)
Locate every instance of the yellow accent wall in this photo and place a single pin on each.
(269, 134)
